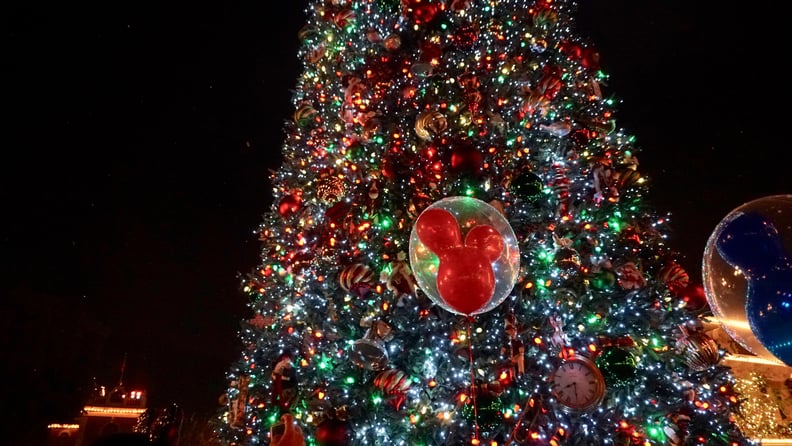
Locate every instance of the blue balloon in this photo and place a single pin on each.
(751, 242)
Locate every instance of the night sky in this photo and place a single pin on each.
(138, 140)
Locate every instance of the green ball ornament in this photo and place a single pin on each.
(489, 411)
(603, 280)
(527, 186)
(618, 366)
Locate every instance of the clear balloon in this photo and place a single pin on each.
(747, 272)
(464, 255)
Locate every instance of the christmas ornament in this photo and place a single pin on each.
(357, 278)
(676, 428)
(527, 186)
(627, 178)
(559, 129)
(700, 351)
(339, 213)
(694, 297)
(602, 280)
(330, 189)
(748, 276)
(516, 347)
(618, 366)
(465, 159)
(369, 351)
(421, 12)
(308, 32)
(674, 277)
(460, 5)
(559, 338)
(630, 276)
(370, 128)
(284, 382)
(604, 183)
(545, 19)
(289, 205)
(286, 432)
(400, 280)
(345, 18)
(465, 36)
(486, 409)
(236, 409)
(577, 384)
(534, 101)
(392, 42)
(304, 115)
(395, 384)
(567, 259)
(429, 124)
(333, 432)
(469, 275)
(315, 54)
(260, 321)
(380, 329)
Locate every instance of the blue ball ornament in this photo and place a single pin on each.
(751, 240)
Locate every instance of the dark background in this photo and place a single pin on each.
(138, 137)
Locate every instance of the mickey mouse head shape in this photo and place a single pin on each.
(465, 277)
(751, 242)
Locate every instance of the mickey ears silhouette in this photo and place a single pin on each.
(747, 272)
(464, 255)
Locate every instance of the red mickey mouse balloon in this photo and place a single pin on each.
(466, 275)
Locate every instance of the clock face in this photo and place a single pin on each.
(578, 384)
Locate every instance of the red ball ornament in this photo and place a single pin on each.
(465, 159)
(333, 432)
(421, 12)
(289, 205)
(694, 296)
(430, 51)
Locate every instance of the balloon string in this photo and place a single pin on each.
(472, 379)
(519, 421)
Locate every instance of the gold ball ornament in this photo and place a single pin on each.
(700, 351)
(330, 189)
(392, 42)
(429, 124)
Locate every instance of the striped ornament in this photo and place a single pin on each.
(674, 276)
(345, 18)
(304, 115)
(700, 351)
(355, 276)
(392, 381)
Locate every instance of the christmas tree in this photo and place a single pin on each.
(460, 248)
